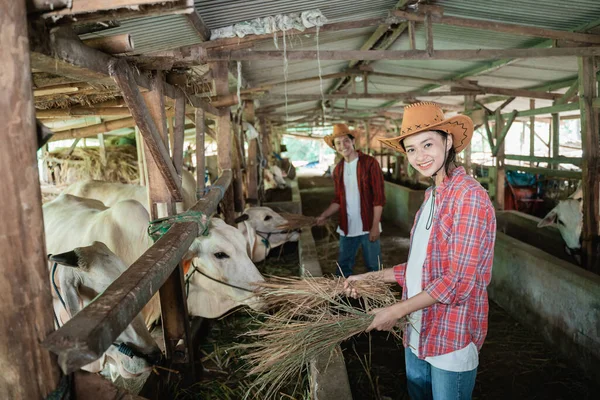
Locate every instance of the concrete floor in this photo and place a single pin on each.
(515, 363)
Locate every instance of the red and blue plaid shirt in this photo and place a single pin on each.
(458, 266)
(370, 186)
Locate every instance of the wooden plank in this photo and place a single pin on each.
(87, 335)
(590, 128)
(93, 130)
(550, 160)
(200, 158)
(495, 26)
(569, 94)
(178, 133)
(29, 371)
(505, 129)
(411, 36)
(122, 74)
(545, 110)
(377, 55)
(139, 145)
(83, 111)
(224, 137)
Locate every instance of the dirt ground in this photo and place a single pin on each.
(515, 362)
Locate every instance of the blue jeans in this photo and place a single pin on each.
(348, 249)
(426, 382)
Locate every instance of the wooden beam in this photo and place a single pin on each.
(443, 82)
(200, 157)
(83, 111)
(178, 134)
(122, 74)
(532, 131)
(494, 26)
(552, 173)
(115, 44)
(590, 131)
(569, 94)
(412, 44)
(377, 55)
(500, 162)
(29, 371)
(252, 163)
(505, 129)
(428, 33)
(199, 102)
(545, 110)
(549, 160)
(93, 130)
(198, 24)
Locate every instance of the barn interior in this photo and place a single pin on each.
(138, 91)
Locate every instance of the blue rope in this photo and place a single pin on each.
(158, 227)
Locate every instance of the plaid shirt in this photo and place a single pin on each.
(458, 266)
(370, 186)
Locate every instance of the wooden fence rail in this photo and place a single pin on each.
(88, 335)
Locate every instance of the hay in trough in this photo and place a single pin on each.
(312, 319)
(85, 163)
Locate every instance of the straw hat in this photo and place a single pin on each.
(338, 130)
(428, 116)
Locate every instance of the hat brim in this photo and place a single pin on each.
(459, 126)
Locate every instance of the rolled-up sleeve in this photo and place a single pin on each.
(466, 245)
(378, 185)
(400, 273)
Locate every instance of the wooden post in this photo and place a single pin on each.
(264, 152)
(469, 104)
(252, 164)
(139, 144)
(102, 149)
(29, 370)
(368, 137)
(588, 92)
(177, 133)
(224, 138)
(200, 160)
(532, 132)
(555, 137)
(238, 179)
(500, 171)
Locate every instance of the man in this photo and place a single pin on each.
(359, 197)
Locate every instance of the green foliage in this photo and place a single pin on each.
(306, 150)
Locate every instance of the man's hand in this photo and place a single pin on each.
(348, 289)
(321, 220)
(385, 318)
(374, 233)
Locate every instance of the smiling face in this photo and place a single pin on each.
(344, 145)
(426, 151)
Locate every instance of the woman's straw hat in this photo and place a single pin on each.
(428, 116)
(338, 130)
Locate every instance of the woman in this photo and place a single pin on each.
(449, 265)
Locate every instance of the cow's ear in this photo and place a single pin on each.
(549, 219)
(68, 259)
(241, 218)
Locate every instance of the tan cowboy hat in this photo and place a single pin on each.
(338, 130)
(428, 116)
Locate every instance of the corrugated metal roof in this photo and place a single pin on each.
(152, 34)
(221, 13)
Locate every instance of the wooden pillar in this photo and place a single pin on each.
(555, 137)
(532, 132)
(264, 149)
(238, 179)
(252, 163)
(469, 105)
(29, 370)
(200, 160)
(224, 137)
(368, 137)
(102, 149)
(590, 130)
(500, 171)
(139, 144)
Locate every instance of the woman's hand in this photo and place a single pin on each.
(385, 318)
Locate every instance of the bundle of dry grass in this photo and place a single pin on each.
(296, 221)
(85, 163)
(312, 319)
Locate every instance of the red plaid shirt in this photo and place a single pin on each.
(458, 266)
(370, 186)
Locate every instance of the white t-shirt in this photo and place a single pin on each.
(465, 359)
(355, 225)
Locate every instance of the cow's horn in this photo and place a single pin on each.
(241, 218)
(69, 259)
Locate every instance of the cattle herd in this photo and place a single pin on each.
(95, 230)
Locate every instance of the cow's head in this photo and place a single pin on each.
(261, 227)
(219, 274)
(81, 275)
(568, 217)
(273, 178)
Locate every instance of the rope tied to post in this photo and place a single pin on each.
(160, 226)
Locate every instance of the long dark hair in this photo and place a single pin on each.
(450, 157)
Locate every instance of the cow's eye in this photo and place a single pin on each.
(221, 256)
(268, 217)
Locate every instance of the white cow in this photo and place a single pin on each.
(72, 221)
(274, 178)
(110, 193)
(568, 217)
(79, 276)
(259, 225)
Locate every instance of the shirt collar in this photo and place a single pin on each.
(454, 174)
